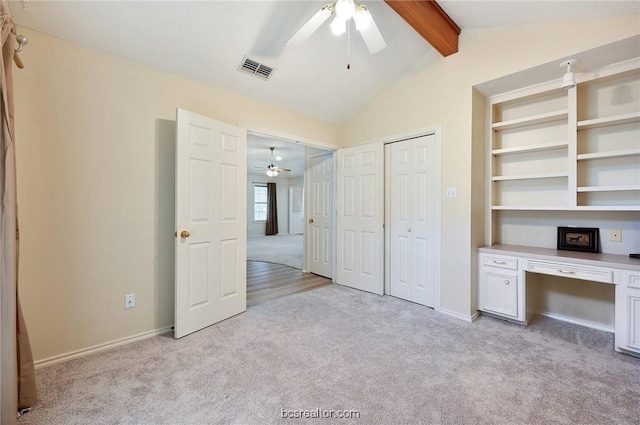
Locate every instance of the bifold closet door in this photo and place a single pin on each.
(412, 206)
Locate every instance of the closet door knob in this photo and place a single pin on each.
(310, 221)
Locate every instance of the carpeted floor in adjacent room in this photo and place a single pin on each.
(393, 361)
(278, 249)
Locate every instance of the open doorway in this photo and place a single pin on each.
(278, 211)
(270, 236)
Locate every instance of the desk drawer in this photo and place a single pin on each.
(573, 271)
(634, 280)
(499, 261)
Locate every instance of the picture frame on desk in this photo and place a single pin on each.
(584, 239)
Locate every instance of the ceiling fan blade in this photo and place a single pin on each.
(311, 26)
(372, 38)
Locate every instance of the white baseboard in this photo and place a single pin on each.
(100, 347)
(587, 324)
(457, 315)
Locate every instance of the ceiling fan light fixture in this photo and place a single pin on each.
(338, 26)
(362, 18)
(345, 9)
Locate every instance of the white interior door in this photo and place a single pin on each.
(412, 220)
(360, 217)
(211, 251)
(296, 210)
(320, 214)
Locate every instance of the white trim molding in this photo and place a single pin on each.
(100, 347)
(457, 315)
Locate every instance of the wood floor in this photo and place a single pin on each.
(268, 281)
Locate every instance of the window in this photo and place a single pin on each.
(260, 202)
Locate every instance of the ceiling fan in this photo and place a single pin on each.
(343, 10)
(274, 170)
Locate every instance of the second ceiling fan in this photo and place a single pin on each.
(274, 170)
(344, 11)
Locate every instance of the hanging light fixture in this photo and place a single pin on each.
(338, 26)
(363, 18)
(569, 77)
(345, 9)
(273, 170)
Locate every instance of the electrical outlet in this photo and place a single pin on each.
(615, 235)
(130, 301)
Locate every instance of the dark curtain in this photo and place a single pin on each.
(272, 210)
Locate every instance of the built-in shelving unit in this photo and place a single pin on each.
(608, 141)
(566, 150)
(573, 151)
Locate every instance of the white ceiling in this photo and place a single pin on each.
(206, 41)
(292, 156)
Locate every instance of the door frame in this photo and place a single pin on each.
(313, 143)
(414, 134)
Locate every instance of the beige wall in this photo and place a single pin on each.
(95, 153)
(95, 146)
(442, 93)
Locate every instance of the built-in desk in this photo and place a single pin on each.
(502, 283)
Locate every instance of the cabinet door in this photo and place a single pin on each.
(500, 293)
(628, 318)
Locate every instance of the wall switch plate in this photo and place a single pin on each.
(615, 235)
(451, 193)
(130, 301)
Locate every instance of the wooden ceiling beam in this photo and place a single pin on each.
(431, 22)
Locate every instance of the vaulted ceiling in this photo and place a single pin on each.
(206, 41)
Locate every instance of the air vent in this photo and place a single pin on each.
(255, 68)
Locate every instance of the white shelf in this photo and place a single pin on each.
(564, 208)
(530, 208)
(607, 188)
(607, 121)
(530, 176)
(531, 148)
(532, 120)
(609, 208)
(611, 154)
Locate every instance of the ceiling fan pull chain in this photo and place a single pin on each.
(348, 45)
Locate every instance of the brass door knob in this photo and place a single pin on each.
(184, 234)
(310, 221)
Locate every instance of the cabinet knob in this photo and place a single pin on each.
(408, 230)
(506, 282)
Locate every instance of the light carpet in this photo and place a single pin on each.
(336, 348)
(279, 249)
